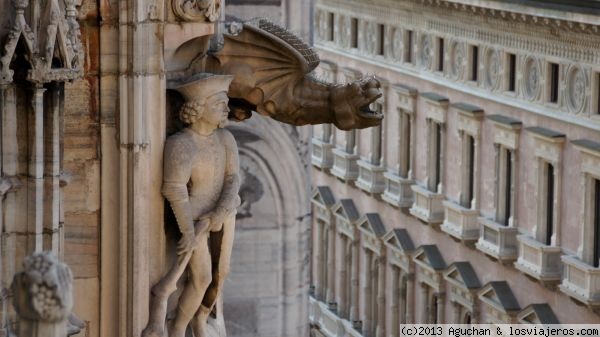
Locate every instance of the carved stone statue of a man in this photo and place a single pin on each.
(201, 184)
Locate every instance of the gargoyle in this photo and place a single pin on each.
(272, 76)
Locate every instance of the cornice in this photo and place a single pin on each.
(554, 19)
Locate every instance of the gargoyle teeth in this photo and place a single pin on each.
(366, 112)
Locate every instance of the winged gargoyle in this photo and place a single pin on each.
(272, 76)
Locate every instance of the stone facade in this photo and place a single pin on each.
(489, 148)
(85, 117)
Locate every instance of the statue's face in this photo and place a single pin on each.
(217, 110)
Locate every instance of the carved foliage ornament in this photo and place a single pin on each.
(197, 10)
(43, 290)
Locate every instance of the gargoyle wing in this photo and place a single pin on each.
(267, 62)
(271, 69)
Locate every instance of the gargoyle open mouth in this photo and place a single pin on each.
(365, 111)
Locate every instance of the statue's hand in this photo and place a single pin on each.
(218, 218)
(187, 243)
(351, 104)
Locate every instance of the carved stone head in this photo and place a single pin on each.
(205, 97)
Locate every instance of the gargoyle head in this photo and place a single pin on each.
(352, 104)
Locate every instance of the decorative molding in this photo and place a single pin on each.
(197, 10)
(534, 40)
(60, 58)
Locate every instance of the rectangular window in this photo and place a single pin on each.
(469, 193)
(474, 63)
(405, 140)
(596, 210)
(504, 185)
(549, 204)
(330, 26)
(408, 47)
(440, 58)
(380, 39)
(554, 73)
(437, 155)
(354, 33)
(512, 71)
(507, 187)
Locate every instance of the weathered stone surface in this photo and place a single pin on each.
(203, 158)
(43, 298)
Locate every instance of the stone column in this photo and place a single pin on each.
(475, 316)
(331, 256)
(8, 203)
(354, 291)
(380, 330)
(52, 167)
(456, 317)
(410, 298)
(439, 314)
(133, 135)
(348, 280)
(424, 303)
(367, 288)
(395, 303)
(319, 261)
(341, 249)
(35, 181)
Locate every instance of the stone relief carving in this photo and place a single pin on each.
(322, 25)
(527, 33)
(54, 50)
(531, 78)
(492, 66)
(397, 44)
(576, 84)
(458, 60)
(197, 10)
(201, 184)
(425, 51)
(251, 191)
(371, 38)
(43, 299)
(345, 31)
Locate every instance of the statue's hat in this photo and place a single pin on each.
(203, 85)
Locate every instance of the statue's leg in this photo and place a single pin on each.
(199, 279)
(160, 295)
(221, 243)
